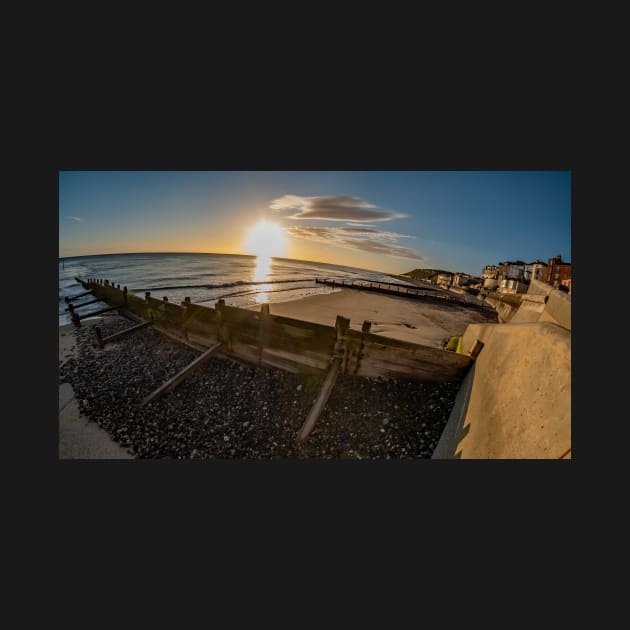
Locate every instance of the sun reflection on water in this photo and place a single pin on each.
(261, 273)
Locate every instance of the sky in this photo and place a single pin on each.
(390, 221)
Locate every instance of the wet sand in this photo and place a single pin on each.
(427, 323)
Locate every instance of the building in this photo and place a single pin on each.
(445, 279)
(490, 277)
(490, 272)
(535, 271)
(507, 285)
(509, 270)
(558, 271)
(461, 279)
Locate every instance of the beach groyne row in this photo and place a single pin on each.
(293, 345)
(401, 290)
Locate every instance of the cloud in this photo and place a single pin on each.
(340, 208)
(75, 218)
(360, 238)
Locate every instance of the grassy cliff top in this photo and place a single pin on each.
(425, 274)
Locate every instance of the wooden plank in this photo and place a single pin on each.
(103, 310)
(127, 331)
(182, 374)
(84, 304)
(321, 400)
(395, 363)
(76, 297)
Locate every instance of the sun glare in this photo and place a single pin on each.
(265, 239)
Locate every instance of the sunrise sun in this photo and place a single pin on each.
(265, 239)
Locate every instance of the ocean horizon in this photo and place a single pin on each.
(240, 279)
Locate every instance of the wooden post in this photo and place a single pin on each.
(99, 338)
(71, 309)
(341, 347)
(182, 374)
(184, 317)
(364, 329)
(147, 295)
(263, 330)
(342, 324)
(125, 297)
(84, 304)
(321, 400)
(99, 312)
(223, 330)
(165, 299)
(76, 320)
(124, 333)
(76, 297)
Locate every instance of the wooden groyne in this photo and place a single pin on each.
(401, 290)
(283, 342)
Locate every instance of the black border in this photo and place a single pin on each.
(323, 494)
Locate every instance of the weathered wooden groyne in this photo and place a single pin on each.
(282, 342)
(401, 290)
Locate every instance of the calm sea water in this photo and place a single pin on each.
(205, 278)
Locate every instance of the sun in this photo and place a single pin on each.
(265, 239)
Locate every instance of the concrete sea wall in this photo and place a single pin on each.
(515, 401)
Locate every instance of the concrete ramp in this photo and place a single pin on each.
(515, 402)
(543, 303)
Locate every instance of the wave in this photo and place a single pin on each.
(241, 293)
(225, 285)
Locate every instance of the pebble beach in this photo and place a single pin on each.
(229, 410)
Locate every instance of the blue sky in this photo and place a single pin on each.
(390, 221)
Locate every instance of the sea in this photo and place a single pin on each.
(205, 278)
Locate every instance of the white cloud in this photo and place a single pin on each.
(339, 208)
(359, 238)
(75, 218)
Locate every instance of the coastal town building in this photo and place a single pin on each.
(535, 271)
(461, 279)
(515, 276)
(490, 272)
(445, 279)
(512, 286)
(490, 277)
(558, 271)
(512, 270)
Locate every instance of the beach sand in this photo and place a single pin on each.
(79, 437)
(423, 322)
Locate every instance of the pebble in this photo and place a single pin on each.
(208, 415)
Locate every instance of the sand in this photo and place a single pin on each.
(425, 323)
(80, 437)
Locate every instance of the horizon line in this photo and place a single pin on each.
(315, 262)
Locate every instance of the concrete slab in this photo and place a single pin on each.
(516, 404)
